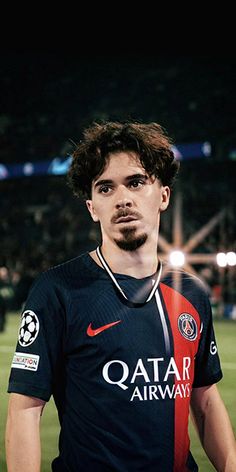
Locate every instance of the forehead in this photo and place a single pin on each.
(121, 164)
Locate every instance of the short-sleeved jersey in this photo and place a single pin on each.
(121, 376)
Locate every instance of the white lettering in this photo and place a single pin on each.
(178, 391)
(156, 361)
(186, 365)
(186, 390)
(145, 392)
(166, 391)
(152, 392)
(117, 372)
(149, 392)
(123, 377)
(140, 370)
(136, 393)
(213, 348)
(172, 369)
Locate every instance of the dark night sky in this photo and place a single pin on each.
(48, 97)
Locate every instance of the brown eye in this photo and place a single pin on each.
(136, 183)
(104, 189)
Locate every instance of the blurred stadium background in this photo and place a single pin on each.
(45, 102)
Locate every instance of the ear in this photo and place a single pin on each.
(92, 211)
(165, 198)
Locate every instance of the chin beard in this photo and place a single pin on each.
(130, 242)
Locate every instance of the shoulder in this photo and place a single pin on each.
(182, 280)
(187, 285)
(66, 272)
(62, 278)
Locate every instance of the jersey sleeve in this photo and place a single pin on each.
(207, 362)
(39, 350)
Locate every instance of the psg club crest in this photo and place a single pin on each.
(29, 328)
(187, 326)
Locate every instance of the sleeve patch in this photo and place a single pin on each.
(29, 328)
(25, 361)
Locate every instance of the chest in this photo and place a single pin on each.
(101, 325)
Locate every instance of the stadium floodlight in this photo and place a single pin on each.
(221, 259)
(177, 258)
(231, 258)
(226, 259)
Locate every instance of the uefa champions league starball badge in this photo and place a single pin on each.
(29, 328)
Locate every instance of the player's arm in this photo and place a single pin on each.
(214, 428)
(23, 451)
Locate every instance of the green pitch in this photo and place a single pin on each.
(226, 338)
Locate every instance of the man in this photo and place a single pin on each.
(107, 334)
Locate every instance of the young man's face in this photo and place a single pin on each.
(127, 202)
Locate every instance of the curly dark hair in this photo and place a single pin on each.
(148, 141)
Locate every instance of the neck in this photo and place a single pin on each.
(139, 263)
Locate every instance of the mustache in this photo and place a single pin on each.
(123, 212)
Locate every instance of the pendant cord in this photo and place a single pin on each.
(110, 273)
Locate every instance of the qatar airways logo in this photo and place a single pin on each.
(171, 382)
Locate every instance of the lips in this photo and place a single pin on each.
(125, 219)
(124, 216)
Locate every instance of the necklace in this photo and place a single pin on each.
(110, 273)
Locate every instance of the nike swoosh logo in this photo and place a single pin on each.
(93, 332)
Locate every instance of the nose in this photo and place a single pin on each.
(123, 198)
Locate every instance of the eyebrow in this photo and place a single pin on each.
(127, 179)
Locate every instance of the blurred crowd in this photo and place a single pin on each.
(41, 224)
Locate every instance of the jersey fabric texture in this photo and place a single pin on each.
(121, 377)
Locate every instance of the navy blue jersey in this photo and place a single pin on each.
(121, 376)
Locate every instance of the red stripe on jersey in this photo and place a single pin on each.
(177, 305)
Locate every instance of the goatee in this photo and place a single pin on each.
(130, 242)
